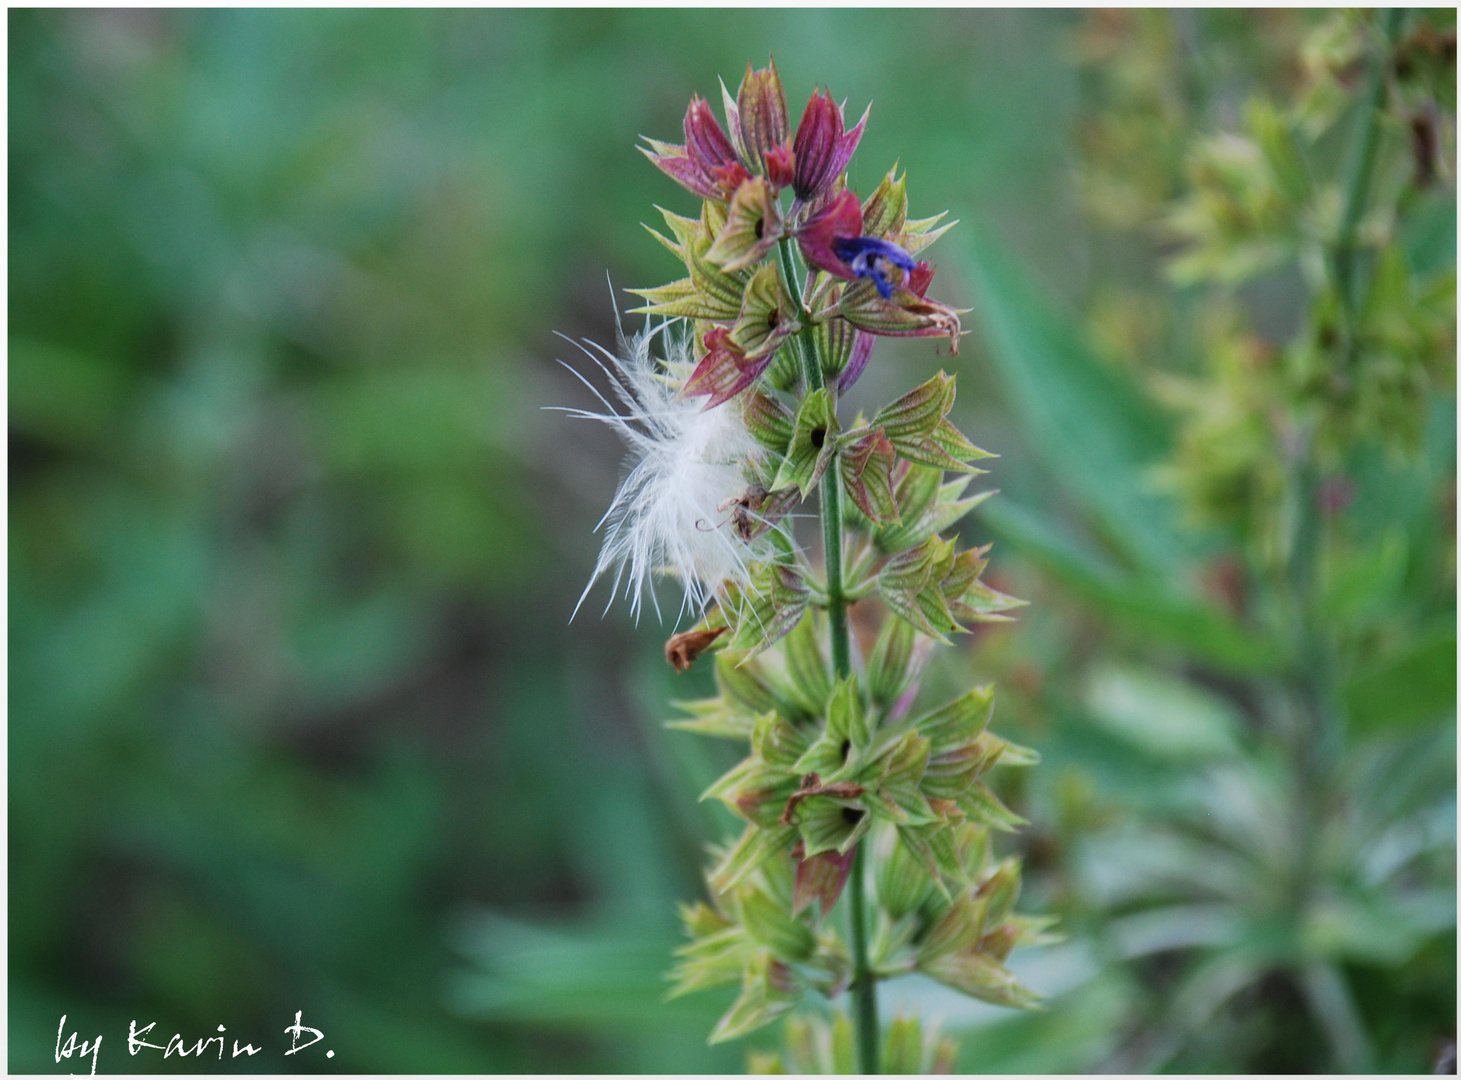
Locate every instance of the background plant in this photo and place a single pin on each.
(1290, 846)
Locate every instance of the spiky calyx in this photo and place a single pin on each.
(837, 763)
(846, 786)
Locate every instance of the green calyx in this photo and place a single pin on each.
(844, 787)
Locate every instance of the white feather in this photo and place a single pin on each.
(686, 463)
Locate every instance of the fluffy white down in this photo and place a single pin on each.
(686, 463)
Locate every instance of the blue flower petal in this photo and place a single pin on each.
(865, 255)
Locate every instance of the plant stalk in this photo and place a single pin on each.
(1320, 741)
(864, 982)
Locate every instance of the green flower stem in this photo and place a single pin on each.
(864, 982)
(831, 487)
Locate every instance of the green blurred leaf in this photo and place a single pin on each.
(1408, 690)
(1143, 606)
(1167, 717)
(590, 976)
(1091, 426)
(61, 395)
(1429, 236)
(1078, 1033)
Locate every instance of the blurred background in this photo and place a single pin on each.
(298, 720)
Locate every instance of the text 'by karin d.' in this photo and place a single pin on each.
(141, 1039)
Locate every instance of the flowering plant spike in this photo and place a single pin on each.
(852, 793)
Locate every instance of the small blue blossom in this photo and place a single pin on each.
(869, 257)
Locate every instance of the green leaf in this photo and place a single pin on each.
(785, 368)
(980, 603)
(732, 778)
(919, 411)
(917, 493)
(1428, 234)
(843, 1045)
(765, 1063)
(950, 773)
(756, 791)
(725, 288)
(61, 395)
(889, 949)
(1167, 717)
(1144, 606)
(686, 229)
(1408, 690)
(1004, 752)
(903, 1047)
(922, 232)
(1274, 135)
(969, 599)
(955, 444)
(709, 961)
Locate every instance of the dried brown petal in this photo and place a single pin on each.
(682, 650)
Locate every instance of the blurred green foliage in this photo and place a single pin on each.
(297, 720)
(1250, 783)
